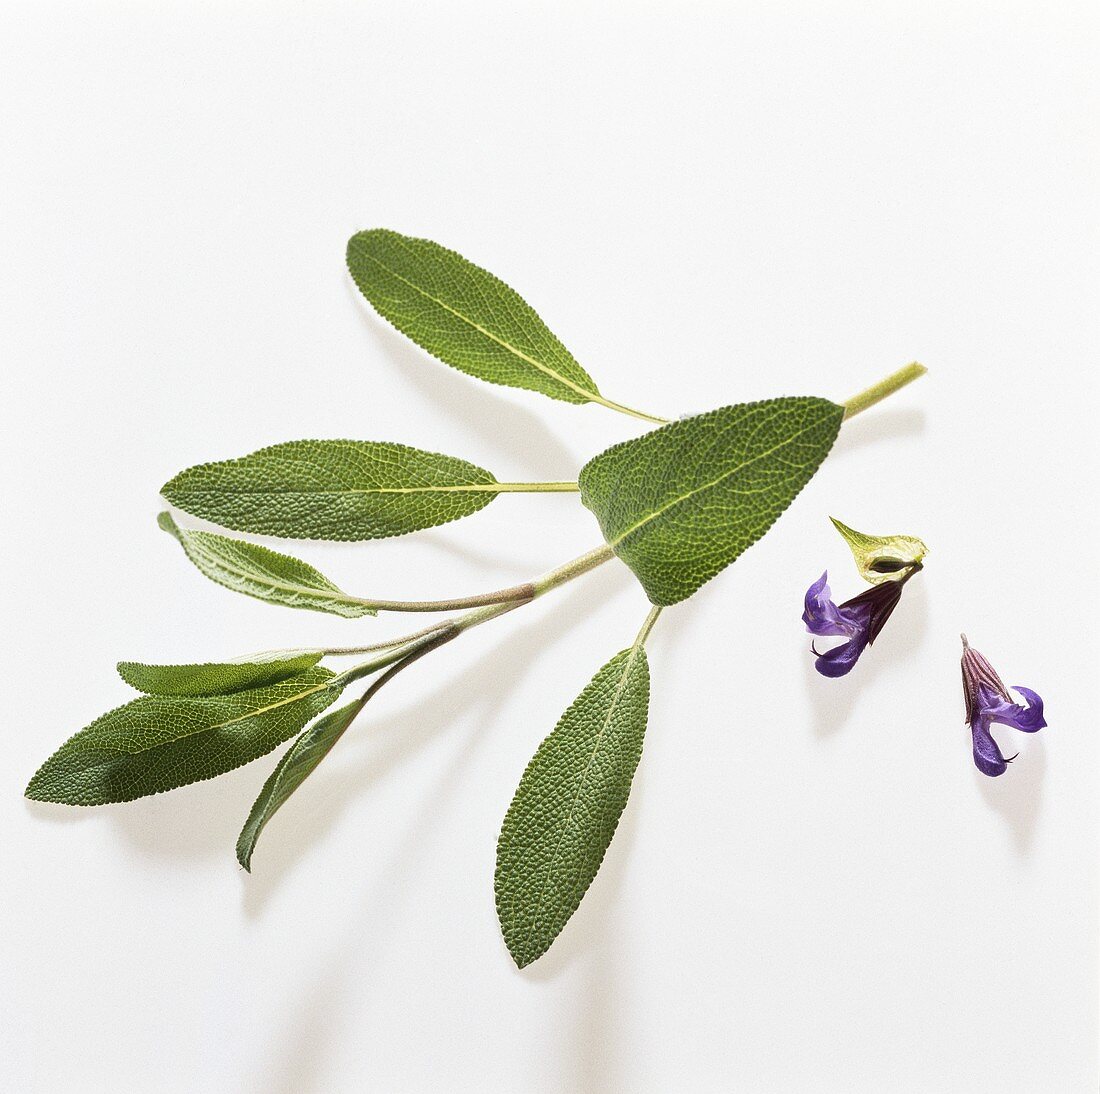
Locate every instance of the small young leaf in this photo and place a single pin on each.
(311, 747)
(336, 490)
(679, 504)
(263, 573)
(214, 678)
(568, 804)
(157, 743)
(463, 315)
(882, 558)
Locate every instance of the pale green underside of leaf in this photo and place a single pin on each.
(303, 756)
(263, 573)
(679, 504)
(463, 315)
(334, 490)
(214, 678)
(568, 805)
(157, 743)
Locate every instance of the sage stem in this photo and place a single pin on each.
(877, 392)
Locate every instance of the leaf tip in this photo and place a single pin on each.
(38, 789)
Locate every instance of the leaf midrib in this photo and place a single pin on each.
(708, 486)
(493, 487)
(616, 696)
(101, 746)
(250, 575)
(482, 330)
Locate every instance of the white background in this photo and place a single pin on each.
(812, 888)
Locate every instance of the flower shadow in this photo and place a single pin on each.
(834, 700)
(1017, 794)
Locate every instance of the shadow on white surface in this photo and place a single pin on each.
(591, 936)
(834, 701)
(1018, 794)
(878, 425)
(197, 821)
(478, 693)
(519, 434)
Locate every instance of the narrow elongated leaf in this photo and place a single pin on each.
(265, 574)
(463, 315)
(157, 743)
(213, 678)
(681, 503)
(311, 747)
(568, 804)
(336, 490)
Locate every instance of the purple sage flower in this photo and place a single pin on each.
(859, 620)
(988, 701)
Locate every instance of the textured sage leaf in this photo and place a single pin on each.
(463, 315)
(681, 503)
(568, 804)
(157, 743)
(310, 748)
(882, 558)
(337, 490)
(263, 573)
(216, 678)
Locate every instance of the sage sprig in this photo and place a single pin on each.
(677, 505)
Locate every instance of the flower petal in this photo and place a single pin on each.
(987, 756)
(1029, 719)
(821, 616)
(840, 660)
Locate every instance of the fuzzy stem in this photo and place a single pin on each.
(400, 648)
(647, 626)
(530, 487)
(877, 392)
(640, 414)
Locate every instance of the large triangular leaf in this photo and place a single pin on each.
(463, 315)
(681, 503)
(263, 573)
(157, 743)
(335, 490)
(568, 804)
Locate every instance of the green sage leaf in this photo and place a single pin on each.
(679, 504)
(882, 558)
(216, 678)
(263, 573)
(335, 490)
(463, 315)
(158, 743)
(311, 747)
(568, 805)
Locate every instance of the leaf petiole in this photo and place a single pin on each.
(647, 626)
(885, 387)
(640, 414)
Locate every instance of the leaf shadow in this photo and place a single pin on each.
(308, 1034)
(404, 733)
(1018, 794)
(890, 423)
(518, 434)
(55, 814)
(834, 700)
